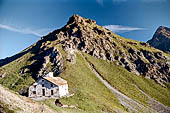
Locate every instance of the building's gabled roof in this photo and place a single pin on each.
(56, 80)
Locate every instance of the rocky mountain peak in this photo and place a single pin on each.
(165, 31)
(79, 20)
(161, 39)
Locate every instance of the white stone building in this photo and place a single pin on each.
(49, 86)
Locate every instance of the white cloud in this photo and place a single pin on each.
(100, 2)
(39, 32)
(42, 32)
(122, 29)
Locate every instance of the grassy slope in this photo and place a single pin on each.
(89, 93)
(14, 80)
(124, 81)
(51, 105)
(138, 46)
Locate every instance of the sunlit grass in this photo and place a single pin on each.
(125, 82)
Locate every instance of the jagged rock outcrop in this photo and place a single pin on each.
(48, 59)
(161, 39)
(71, 57)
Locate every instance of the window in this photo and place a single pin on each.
(42, 85)
(34, 92)
(34, 86)
(43, 92)
(52, 93)
(51, 85)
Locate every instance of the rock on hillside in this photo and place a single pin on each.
(85, 35)
(161, 39)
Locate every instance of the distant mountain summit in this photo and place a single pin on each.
(161, 39)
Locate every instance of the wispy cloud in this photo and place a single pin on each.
(122, 29)
(38, 32)
(100, 2)
(42, 32)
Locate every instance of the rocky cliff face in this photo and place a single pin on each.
(161, 39)
(85, 35)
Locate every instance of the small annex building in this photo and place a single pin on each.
(49, 86)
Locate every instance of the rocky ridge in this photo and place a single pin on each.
(85, 35)
(161, 39)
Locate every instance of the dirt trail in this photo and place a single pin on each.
(159, 107)
(130, 104)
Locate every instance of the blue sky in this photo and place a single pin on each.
(23, 22)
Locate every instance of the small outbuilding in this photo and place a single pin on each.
(49, 86)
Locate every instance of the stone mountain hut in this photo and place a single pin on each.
(49, 86)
